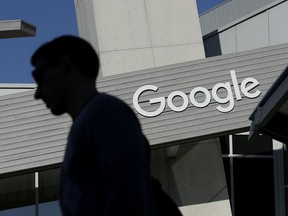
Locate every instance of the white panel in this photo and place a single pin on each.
(121, 24)
(176, 54)
(228, 41)
(12, 91)
(129, 28)
(277, 23)
(253, 33)
(204, 209)
(173, 22)
(11, 88)
(205, 160)
(118, 62)
(232, 10)
(187, 176)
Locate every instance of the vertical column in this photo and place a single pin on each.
(139, 34)
(194, 177)
(36, 194)
(279, 183)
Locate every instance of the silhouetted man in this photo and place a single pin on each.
(106, 164)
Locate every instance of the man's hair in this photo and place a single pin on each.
(79, 51)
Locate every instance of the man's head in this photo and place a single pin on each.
(61, 66)
(79, 51)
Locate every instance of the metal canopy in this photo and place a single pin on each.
(271, 114)
(16, 28)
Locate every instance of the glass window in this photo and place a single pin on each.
(21, 211)
(18, 195)
(49, 208)
(286, 200)
(285, 158)
(249, 170)
(224, 142)
(49, 185)
(262, 146)
(254, 186)
(48, 192)
(17, 191)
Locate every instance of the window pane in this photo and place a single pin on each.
(49, 208)
(226, 163)
(48, 185)
(285, 158)
(262, 146)
(224, 142)
(22, 211)
(286, 200)
(17, 191)
(254, 186)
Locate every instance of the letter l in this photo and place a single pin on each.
(235, 85)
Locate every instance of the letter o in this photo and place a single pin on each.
(206, 93)
(177, 108)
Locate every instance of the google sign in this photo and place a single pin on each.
(246, 87)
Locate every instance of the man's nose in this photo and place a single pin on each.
(38, 94)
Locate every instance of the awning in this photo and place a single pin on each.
(271, 114)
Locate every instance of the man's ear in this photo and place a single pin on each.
(68, 63)
(66, 59)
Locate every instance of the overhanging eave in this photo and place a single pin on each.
(16, 28)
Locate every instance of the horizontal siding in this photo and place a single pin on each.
(231, 11)
(170, 127)
(31, 137)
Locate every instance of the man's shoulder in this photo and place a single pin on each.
(98, 109)
(105, 110)
(104, 99)
(104, 104)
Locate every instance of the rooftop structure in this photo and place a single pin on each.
(16, 28)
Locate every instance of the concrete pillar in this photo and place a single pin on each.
(131, 35)
(194, 178)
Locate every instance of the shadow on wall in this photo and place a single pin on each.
(212, 44)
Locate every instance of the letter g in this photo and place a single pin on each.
(160, 100)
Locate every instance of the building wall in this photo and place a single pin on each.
(193, 176)
(169, 127)
(86, 21)
(134, 35)
(9, 88)
(260, 29)
(31, 138)
(230, 11)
